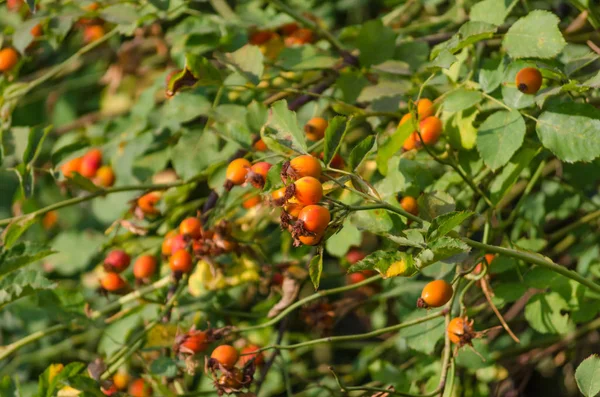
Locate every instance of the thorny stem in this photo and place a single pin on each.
(342, 338)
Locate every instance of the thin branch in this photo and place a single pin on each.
(316, 295)
(486, 291)
(99, 193)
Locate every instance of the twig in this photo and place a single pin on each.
(99, 193)
(486, 291)
(316, 295)
(269, 363)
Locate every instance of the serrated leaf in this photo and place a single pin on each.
(423, 337)
(439, 250)
(273, 179)
(587, 376)
(22, 283)
(84, 384)
(460, 130)
(387, 263)
(256, 116)
(509, 174)
(315, 269)
(84, 183)
(334, 135)
(305, 57)
(22, 36)
(164, 366)
(492, 11)
(392, 144)
(206, 143)
(570, 130)
(65, 151)
(461, 99)
(359, 152)
(52, 378)
(376, 43)
(469, 33)
(21, 255)
(444, 224)
(288, 132)
(434, 204)
(14, 230)
(203, 70)
(546, 313)
(247, 61)
(534, 36)
(499, 137)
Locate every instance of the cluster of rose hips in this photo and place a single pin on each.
(117, 261)
(121, 381)
(93, 30)
(231, 370)
(90, 166)
(293, 35)
(430, 126)
(9, 56)
(93, 27)
(439, 292)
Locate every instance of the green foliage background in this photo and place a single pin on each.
(513, 174)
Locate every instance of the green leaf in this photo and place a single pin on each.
(387, 263)
(460, 130)
(182, 108)
(510, 173)
(491, 74)
(334, 135)
(84, 384)
(305, 57)
(492, 11)
(256, 116)
(570, 130)
(461, 99)
(64, 152)
(376, 43)
(21, 255)
(35, 141)
(15, 229)
(315, 269)
(444, 224)
(499, 137)
(84, 183)
(423, 337)
(434, 204)
(348, 236)
(378, 221)
(392, 144)
(22, 283)
(22, 36)
(440, 249)
(247, 61)
(48, 388)
(469, 33)
(121, 14)
(534, 36)
(8, 387)
(545, 313)
(207, 143)
(288, 132)
(164, 366)
(68, 261)
(587, 376)
(205, 73)
(273, 179)
(359, 152)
